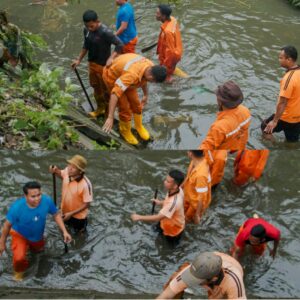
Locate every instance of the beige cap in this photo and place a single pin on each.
(205, 266)
(79, 162)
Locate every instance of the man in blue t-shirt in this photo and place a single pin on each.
(25, 221)
(126, 30)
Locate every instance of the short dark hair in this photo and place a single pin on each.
(159, 73)
(30, 186)
(258, 231)
(165, 10)
(197, 153)
(90, 15)
(177, 175)
(290, 52)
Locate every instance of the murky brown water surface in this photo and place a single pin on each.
(120, 257)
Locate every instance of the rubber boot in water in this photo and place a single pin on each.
(125, 131)
(101, 107)
(101, 110)
(142, 131)
(18, 276)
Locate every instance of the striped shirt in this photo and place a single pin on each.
(197, 187)
(231, 286)
(75, 194)
(290, 89)
(174, 222)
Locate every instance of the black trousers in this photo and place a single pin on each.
(291, 130)
(79, 225)
(172, 240)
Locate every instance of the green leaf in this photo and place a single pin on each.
(72, 88)
(54, 143)
(20, 125)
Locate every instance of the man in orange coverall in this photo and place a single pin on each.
(217, 161)
(230, 131)
(127, 73)
(197, 187)
(249, 165)
(169, 48)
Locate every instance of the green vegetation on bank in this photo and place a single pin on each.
(34, 101)
(31, 110)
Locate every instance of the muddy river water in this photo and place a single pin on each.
(124, 258)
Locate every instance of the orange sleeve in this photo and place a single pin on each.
(170, 51)
(201, 185)
(201, 190)
(123, 83)
(261, 164)
(214, 139)
(287, 86)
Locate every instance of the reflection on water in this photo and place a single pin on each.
(118, 256)
(237, 40)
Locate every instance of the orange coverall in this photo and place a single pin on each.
(169, 48)
(249, 164)
(230, 131)
(123, 78)
(217, 160)
(197, 187)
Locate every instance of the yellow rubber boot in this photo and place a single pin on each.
(95, 114)
(101, 110)
(142, 131)
(18, 276)
(125, 131)
(101, 107)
